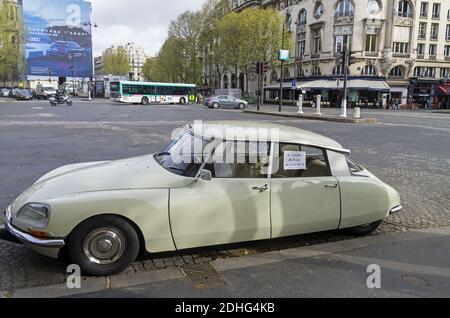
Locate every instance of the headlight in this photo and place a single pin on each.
(34, 214)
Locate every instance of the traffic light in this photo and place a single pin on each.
(131, 76)
(348, 58)
(264, 68)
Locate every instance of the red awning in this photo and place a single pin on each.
(444, 89)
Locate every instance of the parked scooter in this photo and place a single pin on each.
(61, 98)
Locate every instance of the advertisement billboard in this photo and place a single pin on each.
(58, 38)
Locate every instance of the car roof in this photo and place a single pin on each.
(246, 130)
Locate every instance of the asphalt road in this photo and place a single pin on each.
(409, 150)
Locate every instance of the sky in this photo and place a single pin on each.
(144, 22)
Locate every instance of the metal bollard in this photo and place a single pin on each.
(318, 104)
(357, 113)
(300, 104)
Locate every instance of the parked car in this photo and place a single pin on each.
(105, 213)
(13, 92)
(24, 94)
(67, 49)
(4, 92)
(225, 101)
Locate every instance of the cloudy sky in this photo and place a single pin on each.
(144, 22)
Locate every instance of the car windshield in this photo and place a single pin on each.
(184, 155)
(48, 89)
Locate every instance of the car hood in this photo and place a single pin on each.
(127, 174)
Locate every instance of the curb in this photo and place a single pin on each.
(92, 284)
(316, 117)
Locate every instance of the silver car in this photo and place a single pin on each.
(224, 101)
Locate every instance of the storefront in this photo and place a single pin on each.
(424, 92)
(444, 95)
(361, 92)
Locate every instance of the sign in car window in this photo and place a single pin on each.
(294, 160)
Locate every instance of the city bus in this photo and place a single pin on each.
(156, 93)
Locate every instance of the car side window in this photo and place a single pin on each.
(240, 160)
(299, 161)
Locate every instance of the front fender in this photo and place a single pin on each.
(148, 209)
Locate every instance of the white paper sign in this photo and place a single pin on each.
(294, 160)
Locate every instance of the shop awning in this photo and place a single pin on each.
(444, 89)
(359, 84)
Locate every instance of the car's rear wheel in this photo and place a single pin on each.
(144, 101)
(216, 106)
(364, 229)
(103, 245)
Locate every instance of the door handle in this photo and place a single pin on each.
(262, 188)
(331, 185)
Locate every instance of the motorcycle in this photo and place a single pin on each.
(61, 99)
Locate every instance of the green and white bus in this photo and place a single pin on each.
(157, 93)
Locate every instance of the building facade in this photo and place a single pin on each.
(401, 50)
(136, 56)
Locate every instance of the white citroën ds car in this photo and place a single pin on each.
(105, 213)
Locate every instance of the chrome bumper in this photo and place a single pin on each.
(396, 209)
(30, 239)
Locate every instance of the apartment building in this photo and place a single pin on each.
(136, 56)
(401, 50)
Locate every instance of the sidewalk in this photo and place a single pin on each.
(327, 114)
(413, 264)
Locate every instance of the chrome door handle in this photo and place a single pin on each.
(331, 185)
(262, 188)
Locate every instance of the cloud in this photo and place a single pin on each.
(144, 22)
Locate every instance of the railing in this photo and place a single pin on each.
(401, 55)
(315, 56)
(403, 14)
(447, 58)
(420, 56)
(371, 54)
(421, 37)
(432, 57)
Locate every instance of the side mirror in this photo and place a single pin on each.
(205, 175)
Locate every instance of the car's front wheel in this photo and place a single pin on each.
(103, 245)
(364, 229)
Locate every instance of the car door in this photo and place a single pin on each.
(234, 206)
(305, 196)
(224, 101)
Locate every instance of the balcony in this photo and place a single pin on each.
(420, 56)
(401, 55)
(432, 58)
(447, 58)
(421, 37)
(372, 54)
(315, 55)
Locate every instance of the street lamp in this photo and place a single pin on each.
(288, 21)
(49, 75)
(92, 76)
(72, 69)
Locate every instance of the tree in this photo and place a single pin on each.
(116, 62)
(187, 28)
(10, 34)
(213, 54)
(169, 65)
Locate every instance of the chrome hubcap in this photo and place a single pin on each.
(104, 246)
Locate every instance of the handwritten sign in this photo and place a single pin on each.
(294, 160)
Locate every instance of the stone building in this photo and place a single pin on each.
(136, 56)
(401, 50)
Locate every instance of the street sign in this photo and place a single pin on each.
(294, 84)
(283, 55)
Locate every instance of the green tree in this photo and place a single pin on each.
(213, 53)
(116, 63)
(187, 28)
(11, 33)
(169, 65)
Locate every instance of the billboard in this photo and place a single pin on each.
(58, 38)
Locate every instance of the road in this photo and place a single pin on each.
(409, 150)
